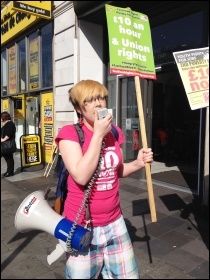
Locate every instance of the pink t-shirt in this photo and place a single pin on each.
(104, 200)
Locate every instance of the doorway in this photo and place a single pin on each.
(175, 134)
(172, 129)
(32, 114)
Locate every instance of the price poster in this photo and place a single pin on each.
(12, 69)
(5, 105)
(34, 64)
(47, 121)
(193, 66)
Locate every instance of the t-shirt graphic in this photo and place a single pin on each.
(107, 170)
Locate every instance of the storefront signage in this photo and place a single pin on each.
(193, 67)
(41, 9)
(130, 44)
(132, 123)
(31, 150)
(33, 64)
(12, 70)
(47, 121)
(5, 105)
(13, 22)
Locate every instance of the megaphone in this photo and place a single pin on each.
(35, 213)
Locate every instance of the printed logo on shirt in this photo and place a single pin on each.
(104, 187)
(107, 171)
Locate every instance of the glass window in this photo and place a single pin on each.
(175, 36)
(112, 96)
(33, 62)
(4, 73)
(46, 32)
(22, 66)
(12, 70)
(129, 117)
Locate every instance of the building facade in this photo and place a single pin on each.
(44, 58)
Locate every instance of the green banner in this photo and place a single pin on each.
(130, 44)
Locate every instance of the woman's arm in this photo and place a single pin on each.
(4, 139)
(81, 167)
(8, 131)
(145, 155)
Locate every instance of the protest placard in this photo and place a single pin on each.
(193, 68)
(131, 54)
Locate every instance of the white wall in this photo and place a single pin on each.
(63, 66)
(78, 51)
(90, 51)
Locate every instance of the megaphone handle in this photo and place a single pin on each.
(56, 254)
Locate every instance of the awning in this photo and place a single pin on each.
(83, 8)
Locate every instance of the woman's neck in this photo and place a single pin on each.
(88, 125)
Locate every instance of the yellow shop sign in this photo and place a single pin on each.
(42, 9)
(13, 22)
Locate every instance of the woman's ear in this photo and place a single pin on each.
(78, 112)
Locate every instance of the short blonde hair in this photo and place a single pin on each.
(86, 89)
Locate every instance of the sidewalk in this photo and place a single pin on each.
(174, 247)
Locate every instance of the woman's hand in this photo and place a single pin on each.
(102, 127)
(145, 155)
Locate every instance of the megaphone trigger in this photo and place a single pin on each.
(57, 253)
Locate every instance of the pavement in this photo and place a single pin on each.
(176, 246)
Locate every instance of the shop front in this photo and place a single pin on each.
(26, 61)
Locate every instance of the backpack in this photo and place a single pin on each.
(62, 173)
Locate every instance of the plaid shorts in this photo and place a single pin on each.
(110, 253)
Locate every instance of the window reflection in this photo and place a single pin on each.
(47, 55)
(4, 73)
(175, 36)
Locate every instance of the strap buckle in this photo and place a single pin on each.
(87, 223)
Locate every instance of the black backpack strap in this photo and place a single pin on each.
(115, 132)
(80, 133)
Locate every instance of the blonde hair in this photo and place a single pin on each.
(86, 89)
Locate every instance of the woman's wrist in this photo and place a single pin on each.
(137, 163)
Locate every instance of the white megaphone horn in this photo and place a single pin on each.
(35, 213)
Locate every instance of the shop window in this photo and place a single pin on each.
(18, 103)
(46, 54)
(33, 62)
(175, 36)
(4, 73)
(22, 66)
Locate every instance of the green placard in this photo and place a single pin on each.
(130, 44)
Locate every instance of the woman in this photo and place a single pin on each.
(8, 132)
(110, 252)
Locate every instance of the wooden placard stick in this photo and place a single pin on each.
(144, 143)
(51, 162)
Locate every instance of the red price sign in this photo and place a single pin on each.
(199, 79)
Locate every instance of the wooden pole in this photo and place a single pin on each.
(51, 162)
(144, 143)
